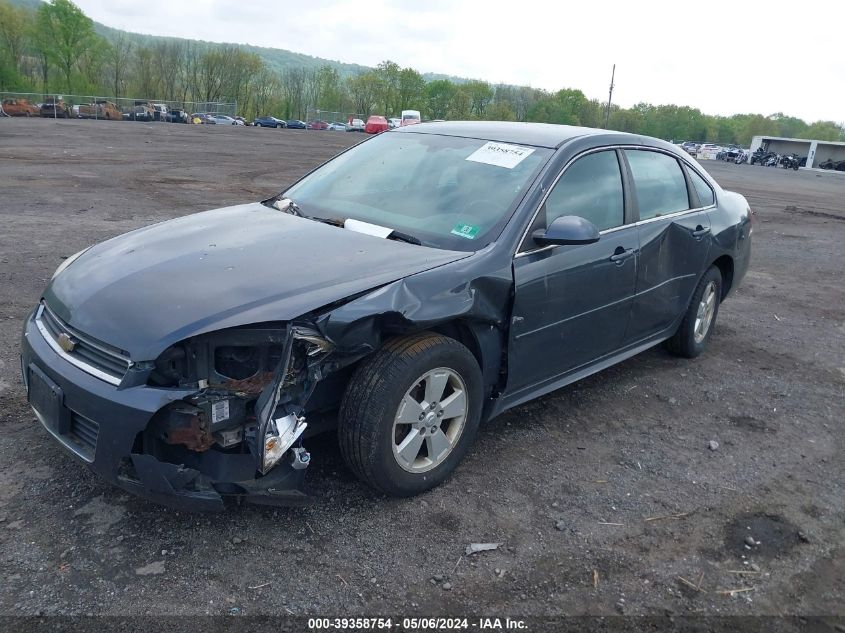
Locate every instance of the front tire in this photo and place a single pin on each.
(700, 319)
(410, 413)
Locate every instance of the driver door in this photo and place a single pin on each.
(572, 302)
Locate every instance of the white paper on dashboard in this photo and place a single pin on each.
(500, 154)
(365, 227)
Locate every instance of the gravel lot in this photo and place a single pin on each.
(606, 496)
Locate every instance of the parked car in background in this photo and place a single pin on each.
(318, 125)
(242, 121)
(710, 147)
(336, 127)
(355, 125)
(177, 115)
(296, 124)
(394, 122)
(53, 108)
(269, 121)
(100, 109)
(203, 118)
(19, 107)
(410, 117)
(224, 119)
(525, 257)
(376, 124)
(690, 147)
(159, 111)
(142, 111)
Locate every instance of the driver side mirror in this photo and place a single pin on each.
(567, 229)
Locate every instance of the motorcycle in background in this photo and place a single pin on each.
(791, 161)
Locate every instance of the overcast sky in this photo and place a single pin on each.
(722, 57)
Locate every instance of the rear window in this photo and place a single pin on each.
(659, 183)
(706, 196)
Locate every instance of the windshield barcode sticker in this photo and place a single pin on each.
(500, 154)
(219, 411)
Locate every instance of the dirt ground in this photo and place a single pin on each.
(605, 496)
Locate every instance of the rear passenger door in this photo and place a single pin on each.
(674, 236)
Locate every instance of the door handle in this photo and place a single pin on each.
(621, 254)
(700, 231)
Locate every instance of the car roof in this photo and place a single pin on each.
(537, 134)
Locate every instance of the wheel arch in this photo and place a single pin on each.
(485, 343)
(725, 264)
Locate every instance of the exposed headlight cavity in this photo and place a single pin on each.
(236, 361)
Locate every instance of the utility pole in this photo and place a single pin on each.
(609, 98)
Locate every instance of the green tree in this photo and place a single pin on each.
(460, 105)
(625, 120)
(117, 55)
(146, 74)
(438, 98)
(14, 27)
(823, 131)
(388, 74)
(411, 91)
(91, 65)
(757, 125)
(564, 107)
(480, 95)
(329, 89)
(789, 126)
(500, 111)
(64, 34)
(365, 91)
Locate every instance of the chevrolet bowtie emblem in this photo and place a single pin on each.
(66, 342)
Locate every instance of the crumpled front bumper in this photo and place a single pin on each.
(101, 425)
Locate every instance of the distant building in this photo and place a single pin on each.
(816, 152)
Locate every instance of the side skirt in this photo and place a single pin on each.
(510, 400)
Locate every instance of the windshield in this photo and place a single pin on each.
(445, 191)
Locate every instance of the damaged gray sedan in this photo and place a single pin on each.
(418, 284)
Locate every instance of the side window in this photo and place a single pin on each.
(705, 192)
(590, 188)
(659, 182)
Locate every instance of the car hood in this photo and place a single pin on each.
(145, 290)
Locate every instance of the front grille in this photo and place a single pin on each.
(83, 432)
(89, 354)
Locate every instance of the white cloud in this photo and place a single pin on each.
(722, 57)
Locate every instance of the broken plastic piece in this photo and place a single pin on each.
(316, 341)
(474, 548)
(300, 458)
(281, 435)
(229, 437)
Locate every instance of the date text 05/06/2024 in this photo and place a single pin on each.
(417, 624)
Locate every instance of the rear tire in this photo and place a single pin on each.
(391, 435)
(695, 330)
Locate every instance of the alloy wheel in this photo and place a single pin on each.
(704, 314)
(429, 420)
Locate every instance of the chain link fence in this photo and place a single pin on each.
(325, 119)
(67, 106)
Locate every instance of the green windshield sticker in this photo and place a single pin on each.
(465, 230)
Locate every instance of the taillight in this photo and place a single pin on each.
(750, 220)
